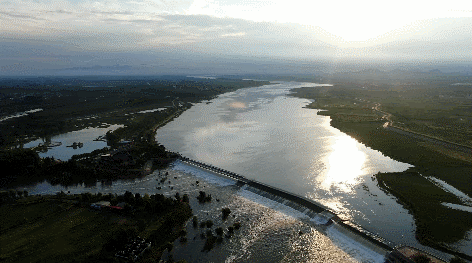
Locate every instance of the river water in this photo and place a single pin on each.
(263, 134)
(86, 136)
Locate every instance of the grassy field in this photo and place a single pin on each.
(435, 224)
(51, 229)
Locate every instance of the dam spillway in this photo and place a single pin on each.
(316, 212)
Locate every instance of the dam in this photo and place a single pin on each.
(316, 213)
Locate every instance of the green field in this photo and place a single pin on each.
(58, 229)
(435, 224)
(50, 231)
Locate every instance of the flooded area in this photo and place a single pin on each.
(269, 231)
(62, 145)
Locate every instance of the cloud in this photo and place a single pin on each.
(74, 34)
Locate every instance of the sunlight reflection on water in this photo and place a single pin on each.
(345, 164)
(275, 140)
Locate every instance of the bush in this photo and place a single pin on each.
(219, 231)
(209, 223)
(209, 243)
(237, 225)
(185, 198)
(226, 211)
(203, 197)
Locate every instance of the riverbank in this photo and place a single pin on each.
(361, 119)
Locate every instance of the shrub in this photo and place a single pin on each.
(219, 231)
(237, 225)
(203, 197)
(209, 223)
(226, 211)
(209, 243)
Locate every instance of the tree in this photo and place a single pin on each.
(127, 196)
(185, 198)
(112, 139)
(237, 225)
(226, 211)
(209, 223)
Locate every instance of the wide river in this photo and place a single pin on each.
(263, 134)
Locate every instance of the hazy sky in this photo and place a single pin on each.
(43, 35)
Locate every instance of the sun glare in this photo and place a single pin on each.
(345, 164)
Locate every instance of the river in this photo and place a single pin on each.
(265, 135)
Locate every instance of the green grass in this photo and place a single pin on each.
(55, 229)
(52, 232)
(435, 223)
